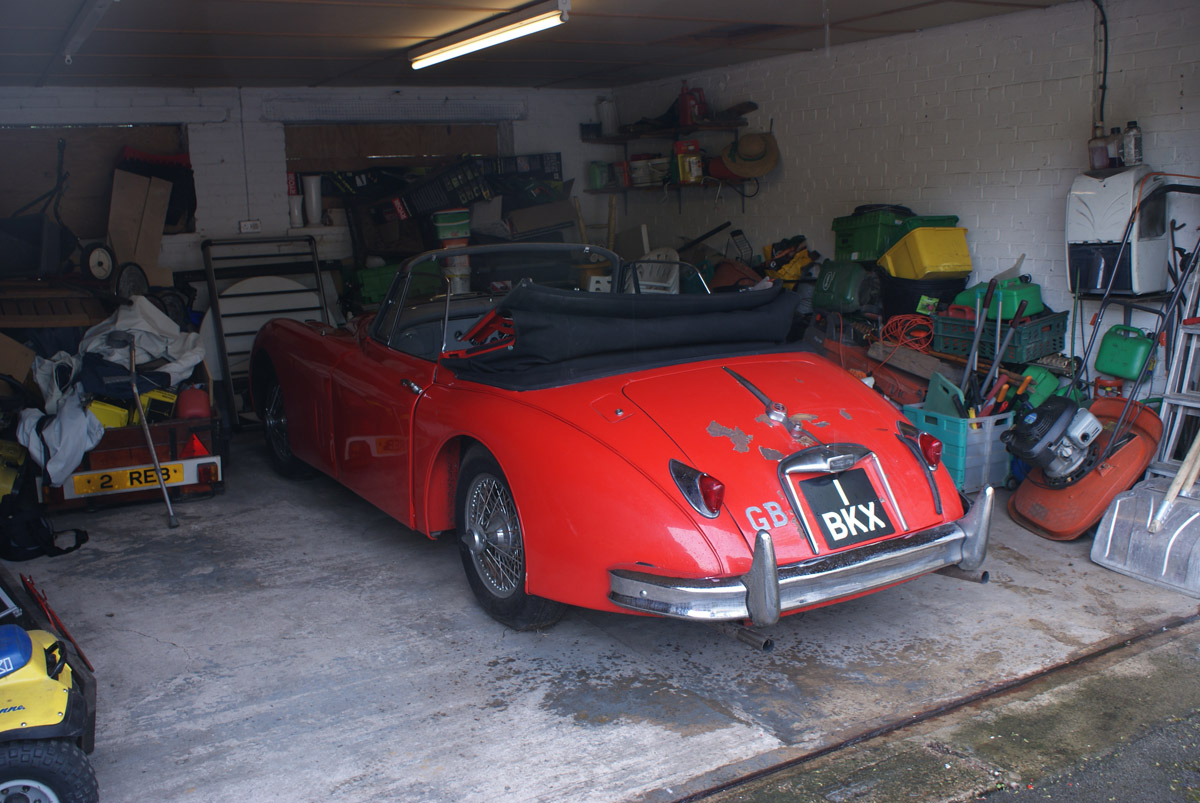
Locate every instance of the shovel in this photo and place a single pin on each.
(1184, 478)
(118, 340)
(1152, 532)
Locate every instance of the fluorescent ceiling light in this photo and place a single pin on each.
(529, 20)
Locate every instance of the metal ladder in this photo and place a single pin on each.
(1181, 401)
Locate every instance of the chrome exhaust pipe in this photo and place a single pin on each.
(977, 576)
(755, 638)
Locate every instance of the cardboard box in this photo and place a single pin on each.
(136, 215)
(543, 217)
(17, 361)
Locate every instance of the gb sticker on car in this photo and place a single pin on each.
(764, 518)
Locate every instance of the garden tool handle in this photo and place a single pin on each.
(987, 296)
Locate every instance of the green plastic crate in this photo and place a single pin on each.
(1045, 334)
(374, 282)
(865, 237)
(971, 447)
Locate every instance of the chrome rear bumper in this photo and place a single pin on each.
(768, 590)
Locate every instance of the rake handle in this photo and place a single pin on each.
(1184, 478)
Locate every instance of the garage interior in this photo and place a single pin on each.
(290, 641)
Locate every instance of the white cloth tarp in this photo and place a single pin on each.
(68, 436)
(44, 374)
(154, 335)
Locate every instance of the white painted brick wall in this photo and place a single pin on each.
(988, 120)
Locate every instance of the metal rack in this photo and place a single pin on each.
(1169, 314)
(1181, 401)
(243, 259)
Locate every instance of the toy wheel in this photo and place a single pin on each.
(46, 771)
(275, 426)
(492, 547)
(99, 261)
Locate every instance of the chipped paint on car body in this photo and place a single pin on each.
(741, 441)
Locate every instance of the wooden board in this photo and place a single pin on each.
(915, 362)
(38, 305)
(316, 148)
(28, 157)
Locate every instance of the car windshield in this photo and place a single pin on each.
(541, 314)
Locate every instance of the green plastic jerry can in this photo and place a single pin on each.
(1123, 351)
(1007, 298)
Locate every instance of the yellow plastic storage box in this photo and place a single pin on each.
(110, 415)
(931, 252)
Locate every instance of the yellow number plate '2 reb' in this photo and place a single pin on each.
(125, 479)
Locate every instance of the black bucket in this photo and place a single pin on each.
(901, 296)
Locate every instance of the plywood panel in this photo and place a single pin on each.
(27, 167)
(27, 304)
(316, 148)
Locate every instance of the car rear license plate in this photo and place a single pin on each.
(847, 508)
(126, 479)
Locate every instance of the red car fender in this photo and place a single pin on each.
(584, 507)
(303, 356)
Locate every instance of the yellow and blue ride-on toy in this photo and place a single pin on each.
(47, 717)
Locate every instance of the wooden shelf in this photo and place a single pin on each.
(658, 187)
(665, 133)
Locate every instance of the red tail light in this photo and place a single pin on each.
(207, 473)
(712, 491)
(704, 493)
(931, 449)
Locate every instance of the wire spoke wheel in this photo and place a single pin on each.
(276, 424)
(275, 430)
(495, 532)
(492, 545)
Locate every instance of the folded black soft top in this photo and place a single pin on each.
(566, 336)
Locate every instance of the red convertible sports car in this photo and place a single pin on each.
(593, 444)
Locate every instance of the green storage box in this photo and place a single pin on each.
(1124, 351)
(374, 282)
(865, 237)
(929, 221)
(1008, 296)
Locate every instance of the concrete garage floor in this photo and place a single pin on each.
(290, 642)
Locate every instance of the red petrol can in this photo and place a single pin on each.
(193, 403)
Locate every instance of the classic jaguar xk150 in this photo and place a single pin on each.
(590, 443)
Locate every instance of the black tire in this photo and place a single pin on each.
(279, 448)
(45, 770)
(493, 548)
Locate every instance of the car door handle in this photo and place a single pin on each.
(412, 386)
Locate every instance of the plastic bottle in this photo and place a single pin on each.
(1114, 148)
(1098, 149)
(1131, 140)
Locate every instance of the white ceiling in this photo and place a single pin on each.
(198, 43)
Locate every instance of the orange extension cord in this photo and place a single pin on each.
(907, 331)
